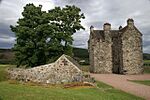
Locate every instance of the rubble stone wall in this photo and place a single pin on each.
(116, 51)
(103, 55)
(62, 71)
(91, 54)
(132, 52)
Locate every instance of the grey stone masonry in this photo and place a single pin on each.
(116, 51)
(64, 70)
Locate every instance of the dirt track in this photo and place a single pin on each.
(121, 82)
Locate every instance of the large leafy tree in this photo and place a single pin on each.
(68, 20)
(42, 35)
(30, 43)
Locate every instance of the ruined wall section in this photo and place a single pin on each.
(61, 71)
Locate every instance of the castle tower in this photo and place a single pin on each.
(100, 51)
(132, 49)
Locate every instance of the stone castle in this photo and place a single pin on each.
(116, 51)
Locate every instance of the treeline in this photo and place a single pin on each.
(6, 56)
(146, 56)
(81, 55)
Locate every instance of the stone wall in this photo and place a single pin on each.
(132, 51)
(102, 55)
(91, 46)
(62, 71)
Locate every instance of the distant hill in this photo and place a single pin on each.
(6, 56)
(81, 55)
(146, 56)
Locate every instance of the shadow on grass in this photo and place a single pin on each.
(1, 98)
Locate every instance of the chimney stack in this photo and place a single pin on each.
(130, 22)
(107, 27)
(91, 29)
(120, 27)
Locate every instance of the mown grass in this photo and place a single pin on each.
(3, 74)
(16, 91)
(85, 68)
(146, 61)
(147, 69)
(25, 92)
(145, 82)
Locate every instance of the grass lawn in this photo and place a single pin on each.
(145, 82)
(85, 68)
(14, 91)
(146, 61)
(147, 66)
(147, 69)
(25, 92)
(3, 75)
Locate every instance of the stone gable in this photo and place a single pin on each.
(62, 70)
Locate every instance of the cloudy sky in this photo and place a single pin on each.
(96, 12)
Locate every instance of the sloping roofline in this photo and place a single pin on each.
(126, 27)
(71, 61)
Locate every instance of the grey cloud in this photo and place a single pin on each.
(80, 39)
(10, 11)
(96, 24)
(97, 12)
(6, 45)
(146, 49)
(7, 38)
(146, 43)
(5, 30)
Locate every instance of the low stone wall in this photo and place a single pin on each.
(43, 74)
(61, 71)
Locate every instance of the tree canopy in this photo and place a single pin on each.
(42, 36)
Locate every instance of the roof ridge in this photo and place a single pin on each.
(72, 60)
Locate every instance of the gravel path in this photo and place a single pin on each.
(121, 82)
